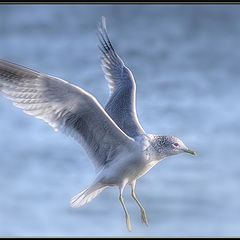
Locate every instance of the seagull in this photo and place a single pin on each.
(118, 146)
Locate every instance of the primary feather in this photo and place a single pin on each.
(121, 105)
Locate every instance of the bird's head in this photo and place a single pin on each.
(169, 145)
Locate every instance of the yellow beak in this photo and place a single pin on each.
(190, 151)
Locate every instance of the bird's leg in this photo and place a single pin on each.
(143, 213)
(126, 213)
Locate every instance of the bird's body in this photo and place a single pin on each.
(130, 164)
(115, 141)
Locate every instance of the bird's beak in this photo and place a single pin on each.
(190, 151)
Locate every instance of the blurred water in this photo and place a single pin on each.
(185, 60)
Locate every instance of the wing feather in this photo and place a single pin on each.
(65, 107)
(121, 106)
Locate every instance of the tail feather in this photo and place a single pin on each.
(86, 196)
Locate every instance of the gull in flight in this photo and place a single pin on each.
(115, 141)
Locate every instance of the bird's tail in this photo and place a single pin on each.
(87, 195)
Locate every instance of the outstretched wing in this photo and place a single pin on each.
(121, 106)
(65, 107)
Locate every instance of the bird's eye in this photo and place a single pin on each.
(176, 144)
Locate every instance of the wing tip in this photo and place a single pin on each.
(104, 25)
(101, 25)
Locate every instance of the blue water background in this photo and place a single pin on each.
(186, 63)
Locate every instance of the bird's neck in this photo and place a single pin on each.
(149, 147)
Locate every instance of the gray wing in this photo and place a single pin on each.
(65, 107)
(121, 106)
